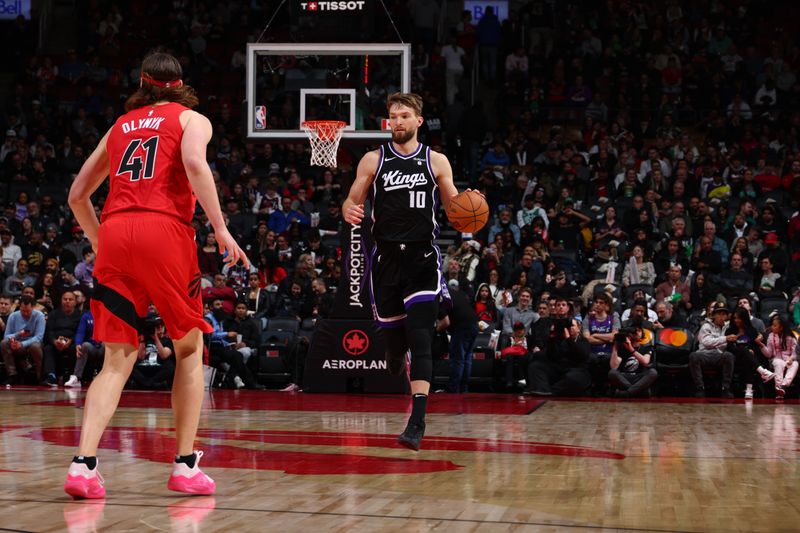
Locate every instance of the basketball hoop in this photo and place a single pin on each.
(324, 136)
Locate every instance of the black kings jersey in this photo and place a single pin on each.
(405, 196)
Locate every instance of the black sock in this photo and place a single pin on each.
(418, 404)
(90, 462)
(189, 460)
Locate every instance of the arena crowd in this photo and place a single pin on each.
(641, 162)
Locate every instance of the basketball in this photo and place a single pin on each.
(468, 212)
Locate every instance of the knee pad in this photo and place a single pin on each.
(420, 341)
(396, 349)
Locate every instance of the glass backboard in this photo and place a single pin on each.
(288, 83)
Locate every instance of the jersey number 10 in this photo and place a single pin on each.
(416, 199)
(132, 165)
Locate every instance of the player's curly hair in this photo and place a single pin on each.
(161, 68)
(412, 100)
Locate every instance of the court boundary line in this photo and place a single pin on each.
(360, 515)
(537, 407)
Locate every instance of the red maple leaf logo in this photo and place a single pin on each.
(355, 342)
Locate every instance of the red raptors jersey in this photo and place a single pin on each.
(146, 169)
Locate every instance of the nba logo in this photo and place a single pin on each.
(385, 124)
(261, 117)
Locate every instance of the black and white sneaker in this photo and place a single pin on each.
(411, 437)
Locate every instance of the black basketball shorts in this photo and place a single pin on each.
(402, 274)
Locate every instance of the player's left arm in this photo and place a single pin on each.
(444, 177)
(92, 174)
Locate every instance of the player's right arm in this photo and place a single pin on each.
(197, 133)
(92, 174)
(353, 206)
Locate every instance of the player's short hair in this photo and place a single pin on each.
(412, 100)
(165, 68)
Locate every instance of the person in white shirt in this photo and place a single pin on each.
(11, 252)
(454, 67)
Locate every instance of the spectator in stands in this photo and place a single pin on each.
(712, 353)
(44, 289)
(59, 338)
(208, 256)
(77, 244)
(717, 244)
(279, 221)
(703, 290)
(639, 316)
(489, 34)
(744, 346)
(630, 372)
(462, 324)
(485, 307)
(453, 56)
(599, 329)
(671, 254)
(744, 303)
(86, 350)
(705, 257)
(11, 253)
(222, 352)
(769, 283)
(667, 316)
(520, 313)
(320, 300)
(257, 299)
(735, 281)
(247, 330)
(563, 367)
(84, 270)
(781, 350)
(19, 279)
(155, 365)
(6, 307)
(21, 346)
(674, 289)
(290, 303)
(468, 258)
(777, 255)
(220, 290)
(502, 223)
(637, 270)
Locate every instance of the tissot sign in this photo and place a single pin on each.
(351, 5)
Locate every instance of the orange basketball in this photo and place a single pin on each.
(468, 212)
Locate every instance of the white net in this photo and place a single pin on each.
(324, 136)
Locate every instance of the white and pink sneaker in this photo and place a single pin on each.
(191, 480)
(83, 483)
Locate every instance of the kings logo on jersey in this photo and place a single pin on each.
(396, 180)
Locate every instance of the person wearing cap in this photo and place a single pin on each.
(78, 242)
(331, 222)
(712, 353)
(468, 258)
(776, 254)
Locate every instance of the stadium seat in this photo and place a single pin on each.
(672, 349)
(770, 305)
(280, 323)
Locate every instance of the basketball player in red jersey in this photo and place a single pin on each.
(155, 157)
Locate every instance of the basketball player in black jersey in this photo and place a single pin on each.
(405, 181)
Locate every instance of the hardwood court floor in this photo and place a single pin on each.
(302, 462)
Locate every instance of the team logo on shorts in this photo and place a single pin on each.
(355, 342)
(194, 285)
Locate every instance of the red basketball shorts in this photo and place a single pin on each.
(146, 258)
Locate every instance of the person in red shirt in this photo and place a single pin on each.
(155, 157)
